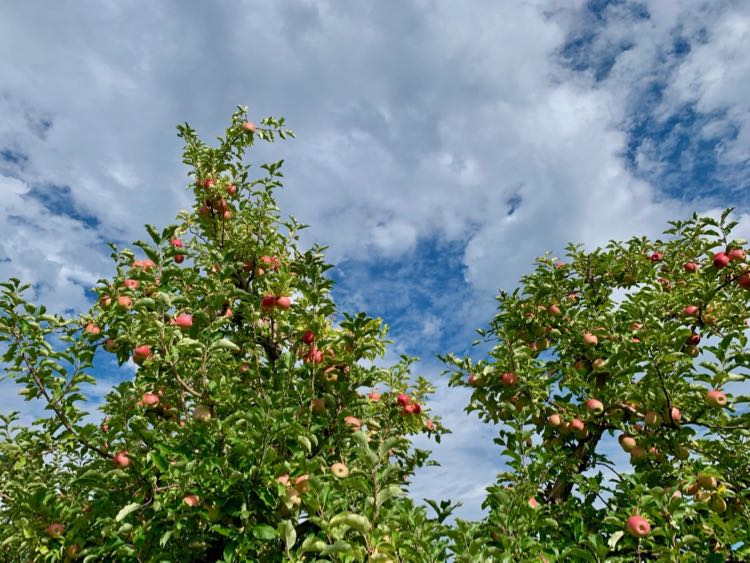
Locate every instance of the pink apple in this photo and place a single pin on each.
(676, 415)
(721, 260)
(141, 353)
(509, 378)
(183, 320)
(353, 421)
(131, 284)
(554, 310)
(231, 189)
(690, 267)
(656, 257)
(92, 329)
(716, 398)
(176, 242)
(533, 503)
(409, 409)
(403, 399)
(314, 356)
(554, 420)
(577, 425)
(249, 126)
(691, 311)
(150, 399)
(373, 396)
(283, 302)
(416, 408)
(124, 301)
(191, 500)
(638, 526)
(429, 424)
(122, 458)
(590, 339)
(302, 483)
(595, 406)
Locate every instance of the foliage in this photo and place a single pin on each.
(646, 328)
(245, 433)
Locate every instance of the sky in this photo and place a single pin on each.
(441, 147)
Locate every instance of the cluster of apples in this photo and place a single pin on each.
(408, 406)
(705, 489)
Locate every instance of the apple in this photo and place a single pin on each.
(110, 345)
(402, 399)
(692, 351)
(628, 443)
(353, 421)
(318, 405)
(131, 284)
(268, 302)
(635, 327)
(599, 364)
(227, 215)
(702, 496)
(706, 481)
(92, 329)
(145, 264)
(656, 257)
(652, 418)
(179, 258)
(509, 378)
(272, 261)
(692, 488)
(308, 337)
(314, 356)
(150, 399)
(559, 264)
(554, 420)
(141, 353)
(675, 415)
(638, 454)
(122, 458)
(302, 483)
(209, 182)
(718, 504)
(373, 396)
(474, 380)
(638, 526)
(124, 301)
(191, 500)
(554, 310)
(681, 453)
(231, 189)
(691, 311)
(694, 339)
(176, 242)
(429, 424)
(533, 503)
(744, 280)
(283, 480)
(73, 550)
(283, 302)
(183, 320)
(55, 530)
(204, 211)
(595, 406)
(340, 470)
(416, 408)
(721, 260)
(736, 255)
(201, 413)
(716, 398)
(249, 126)
(408, 409)
(690, 267)
(590, 339)
(577, 425)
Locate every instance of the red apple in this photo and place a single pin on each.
(744, 280)
(590, 339)
(145, 264)
(183, 320)
(179, 258)
(656, 257)
(131, 284)
(204, 211)
(402, 399)
(268, 302)
(736, 255)
(690, 267)
(716, 398)
(638, 526)
(141, 353)
(55, 530)
(509, 378)
(176, 242)
(595, 406)
(122, 459)
(227, 215)
(409, 409)
(417, 408)
(694, 339)
(283, 302)
(721, 260)
(308, 337)
(314, 356)
(691, 311)
(577, 425)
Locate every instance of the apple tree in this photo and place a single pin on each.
(256, 422)
(619, 378)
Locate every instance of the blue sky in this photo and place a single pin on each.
(440, 146)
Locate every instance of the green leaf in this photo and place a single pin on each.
(226, 344)
(154, 234)
(264, 532)
(132, 507)
(614, 538)
(290, 534)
